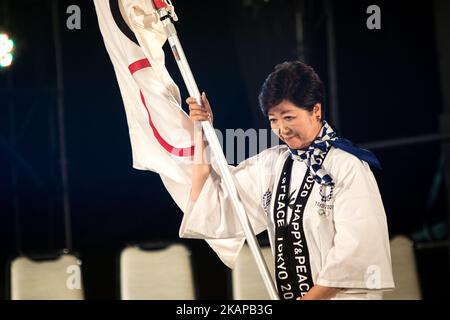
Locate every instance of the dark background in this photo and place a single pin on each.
(388, 83)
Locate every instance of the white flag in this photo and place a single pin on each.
(161, 133)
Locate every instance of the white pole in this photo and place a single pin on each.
(217, 151)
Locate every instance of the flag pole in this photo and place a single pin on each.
(177, 50)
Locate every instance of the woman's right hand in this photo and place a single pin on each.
(201, 167)
(198, 112)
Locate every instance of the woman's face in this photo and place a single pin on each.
(297, 127)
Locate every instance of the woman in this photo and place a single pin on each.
(316, 196)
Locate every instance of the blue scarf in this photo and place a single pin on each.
(324, 141)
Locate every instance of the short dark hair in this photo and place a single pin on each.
(294, 81)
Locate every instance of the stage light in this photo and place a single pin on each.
(6, 50)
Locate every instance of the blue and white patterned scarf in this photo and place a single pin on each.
(324, 141)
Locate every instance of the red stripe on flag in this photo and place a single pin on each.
(181, 152)
(138, 65)
(159, 4)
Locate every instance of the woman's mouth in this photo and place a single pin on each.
(288, 137)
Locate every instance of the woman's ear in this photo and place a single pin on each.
(317, 111)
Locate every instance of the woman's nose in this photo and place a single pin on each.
(283, 128)
(280, 128)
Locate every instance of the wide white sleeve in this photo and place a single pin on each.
(360, 257)
(226, 249)
(212, 216)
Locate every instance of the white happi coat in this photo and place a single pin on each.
(347, 236)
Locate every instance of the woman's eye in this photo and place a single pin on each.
(288, 118)
(272, 120)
